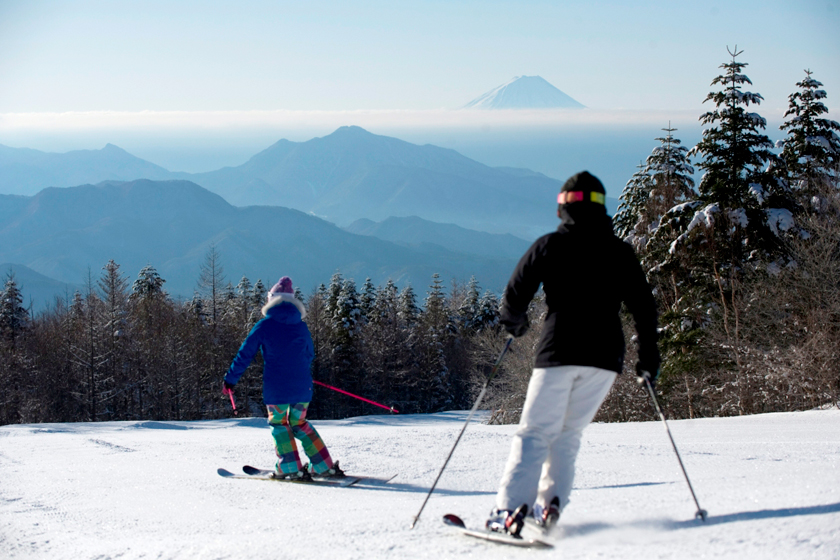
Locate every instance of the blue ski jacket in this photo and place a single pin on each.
(287, 351)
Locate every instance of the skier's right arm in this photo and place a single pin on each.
(244, 356)
(520, 290)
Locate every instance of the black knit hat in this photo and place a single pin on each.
(586, 184)
(582, 201)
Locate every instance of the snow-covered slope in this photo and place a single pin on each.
(770, 483)
(524, 92)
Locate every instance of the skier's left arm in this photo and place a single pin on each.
(640, 302)
(244, 356)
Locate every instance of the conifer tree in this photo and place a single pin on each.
(14, 321)
(114, 322)
(258, 295)
(211, 284)
(437, 326)
(660, 184)
(488, 311)
(468, 311)
(298, 294)
(707, 250)
(244, 304)
(745, 205)
(367, 298)
(631, 207)
(13, 316)
(811, 150)
(346, 325)
(407, 306)
(670, 171)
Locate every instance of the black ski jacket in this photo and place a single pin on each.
(586, 273)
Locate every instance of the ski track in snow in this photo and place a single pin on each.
(771, 485)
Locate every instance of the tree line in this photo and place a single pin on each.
(745, 267)
(121, 350)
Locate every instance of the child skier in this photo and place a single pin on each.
(287, 350)
(586, 273)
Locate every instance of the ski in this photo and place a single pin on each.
(254, 473)
(348, 480)
(265, 475)
(491, 536)
(269, 474)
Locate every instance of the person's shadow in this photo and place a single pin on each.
(759, 514)
(582, 529)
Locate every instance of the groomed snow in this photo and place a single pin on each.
(771, 485)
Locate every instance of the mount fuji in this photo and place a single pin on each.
(524, 92)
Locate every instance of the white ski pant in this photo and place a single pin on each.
(560, 403)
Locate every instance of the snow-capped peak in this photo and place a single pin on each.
(524, 92)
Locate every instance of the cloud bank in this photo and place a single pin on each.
(148, 121)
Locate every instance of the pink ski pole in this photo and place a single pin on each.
(232, 403)
(343, 392)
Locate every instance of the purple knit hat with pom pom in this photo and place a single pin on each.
(283, 286)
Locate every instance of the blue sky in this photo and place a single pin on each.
(75, 74)
(190, 55)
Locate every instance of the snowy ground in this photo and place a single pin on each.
(770, 483)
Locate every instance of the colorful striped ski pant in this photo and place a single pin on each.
(288, 421)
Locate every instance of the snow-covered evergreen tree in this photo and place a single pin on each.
(811, 150)
(298, 293)
(745, 205)
(663, 182)
(244, 290)
(437, 328)
(148, 283)
(367, 298)
(407, 306)
(333, 293)
(706, 251)
(488, 311)
(468, 311)
(114, 320)
(347, 316)
(632, 204)
(670, 170)
(259, 293)
(13, 315)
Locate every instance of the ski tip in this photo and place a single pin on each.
(224, 472)
(248, 469)
(454, 520)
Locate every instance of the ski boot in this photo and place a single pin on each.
(332, 472)
(299, 476)
(507, 521)
(546, 517)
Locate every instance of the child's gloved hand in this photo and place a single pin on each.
(227, 388)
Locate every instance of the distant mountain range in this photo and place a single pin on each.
(353, 174)
(524, 92)
(68, 234)
(348, 175)
(25, 171)
(416, 232)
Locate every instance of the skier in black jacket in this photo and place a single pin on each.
(586, 273)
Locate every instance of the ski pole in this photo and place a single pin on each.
(645, 378)
(232, 404)
(343, 392)
(469, 417)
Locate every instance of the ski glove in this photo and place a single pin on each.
(643, 373)
(518, 329)
(227, 389)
